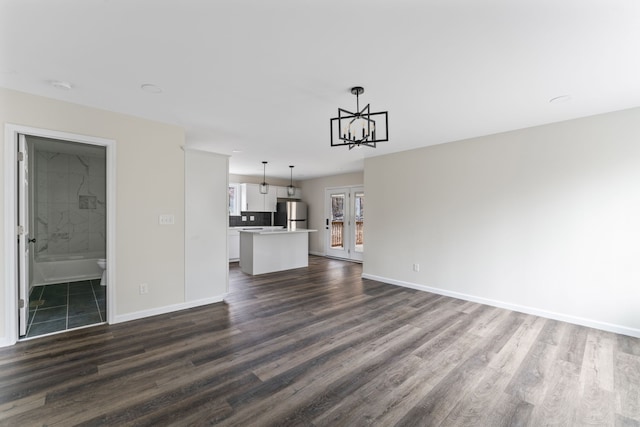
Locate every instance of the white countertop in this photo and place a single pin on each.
(256, 227)
(266, 230)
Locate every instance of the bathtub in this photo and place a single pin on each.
(65, 268)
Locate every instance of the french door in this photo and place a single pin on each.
(344, 222)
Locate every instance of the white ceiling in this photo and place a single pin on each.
(265, 77)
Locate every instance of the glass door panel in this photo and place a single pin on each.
(359, 221)
(337, 221)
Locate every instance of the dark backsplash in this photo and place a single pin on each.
(260, 218)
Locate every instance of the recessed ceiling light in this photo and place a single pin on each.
(151, 88)
(560, 99)
(59, 84)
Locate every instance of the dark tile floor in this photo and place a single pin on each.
(62, 306)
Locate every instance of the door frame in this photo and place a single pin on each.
(24, 221)
(349, 230)
(11, 133)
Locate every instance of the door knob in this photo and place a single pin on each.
(32, 240)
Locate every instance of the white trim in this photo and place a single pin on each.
(316, 253)
(62, 331)
(596, 324)
(167, 309)
(10, 333)
(111, 230)
(10, 148)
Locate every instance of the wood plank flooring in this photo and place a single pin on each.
(321, 346)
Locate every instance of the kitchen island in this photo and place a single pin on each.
(266, 251)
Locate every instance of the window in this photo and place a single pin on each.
(234, 199)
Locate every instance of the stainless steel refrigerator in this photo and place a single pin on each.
(291, 214)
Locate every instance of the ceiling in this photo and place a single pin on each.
(264, 77)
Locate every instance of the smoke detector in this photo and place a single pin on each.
(151, 88)
(59, 84)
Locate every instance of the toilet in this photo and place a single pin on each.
(102, 263)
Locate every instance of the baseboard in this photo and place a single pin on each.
(167, 309)
(6, 342)
(609, 327)
(316, 253)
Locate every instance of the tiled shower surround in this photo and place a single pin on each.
(69, 204)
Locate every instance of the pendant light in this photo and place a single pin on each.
(291, 190)
(264, 187)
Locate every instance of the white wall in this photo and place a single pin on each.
(544, 220)
(150, 182)
(206, 217)
(313, 196)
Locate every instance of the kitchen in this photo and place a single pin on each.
(268, 228)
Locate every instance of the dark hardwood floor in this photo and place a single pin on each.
(323, 347)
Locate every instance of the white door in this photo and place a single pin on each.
(344, 222)
(23, 234)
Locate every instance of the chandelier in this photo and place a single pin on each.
(360, 128)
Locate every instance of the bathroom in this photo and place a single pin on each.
(67, 239)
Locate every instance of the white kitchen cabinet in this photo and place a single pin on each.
(281, 192)
(251, 199)
(265, 251)
(270, 200)
(234, 244)
(254, 201)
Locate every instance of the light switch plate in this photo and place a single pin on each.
(166, 219)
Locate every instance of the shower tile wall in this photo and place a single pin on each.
(69, 204)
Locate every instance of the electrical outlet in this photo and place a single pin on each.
(252, 218)
(416, 267)
(144, 288)
(244, 217)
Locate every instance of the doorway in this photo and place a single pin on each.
(60, 205)
(344, 223)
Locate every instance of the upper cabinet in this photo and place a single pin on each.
(281, 192)
(270, 200)
(254, 201)
(251, 200)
